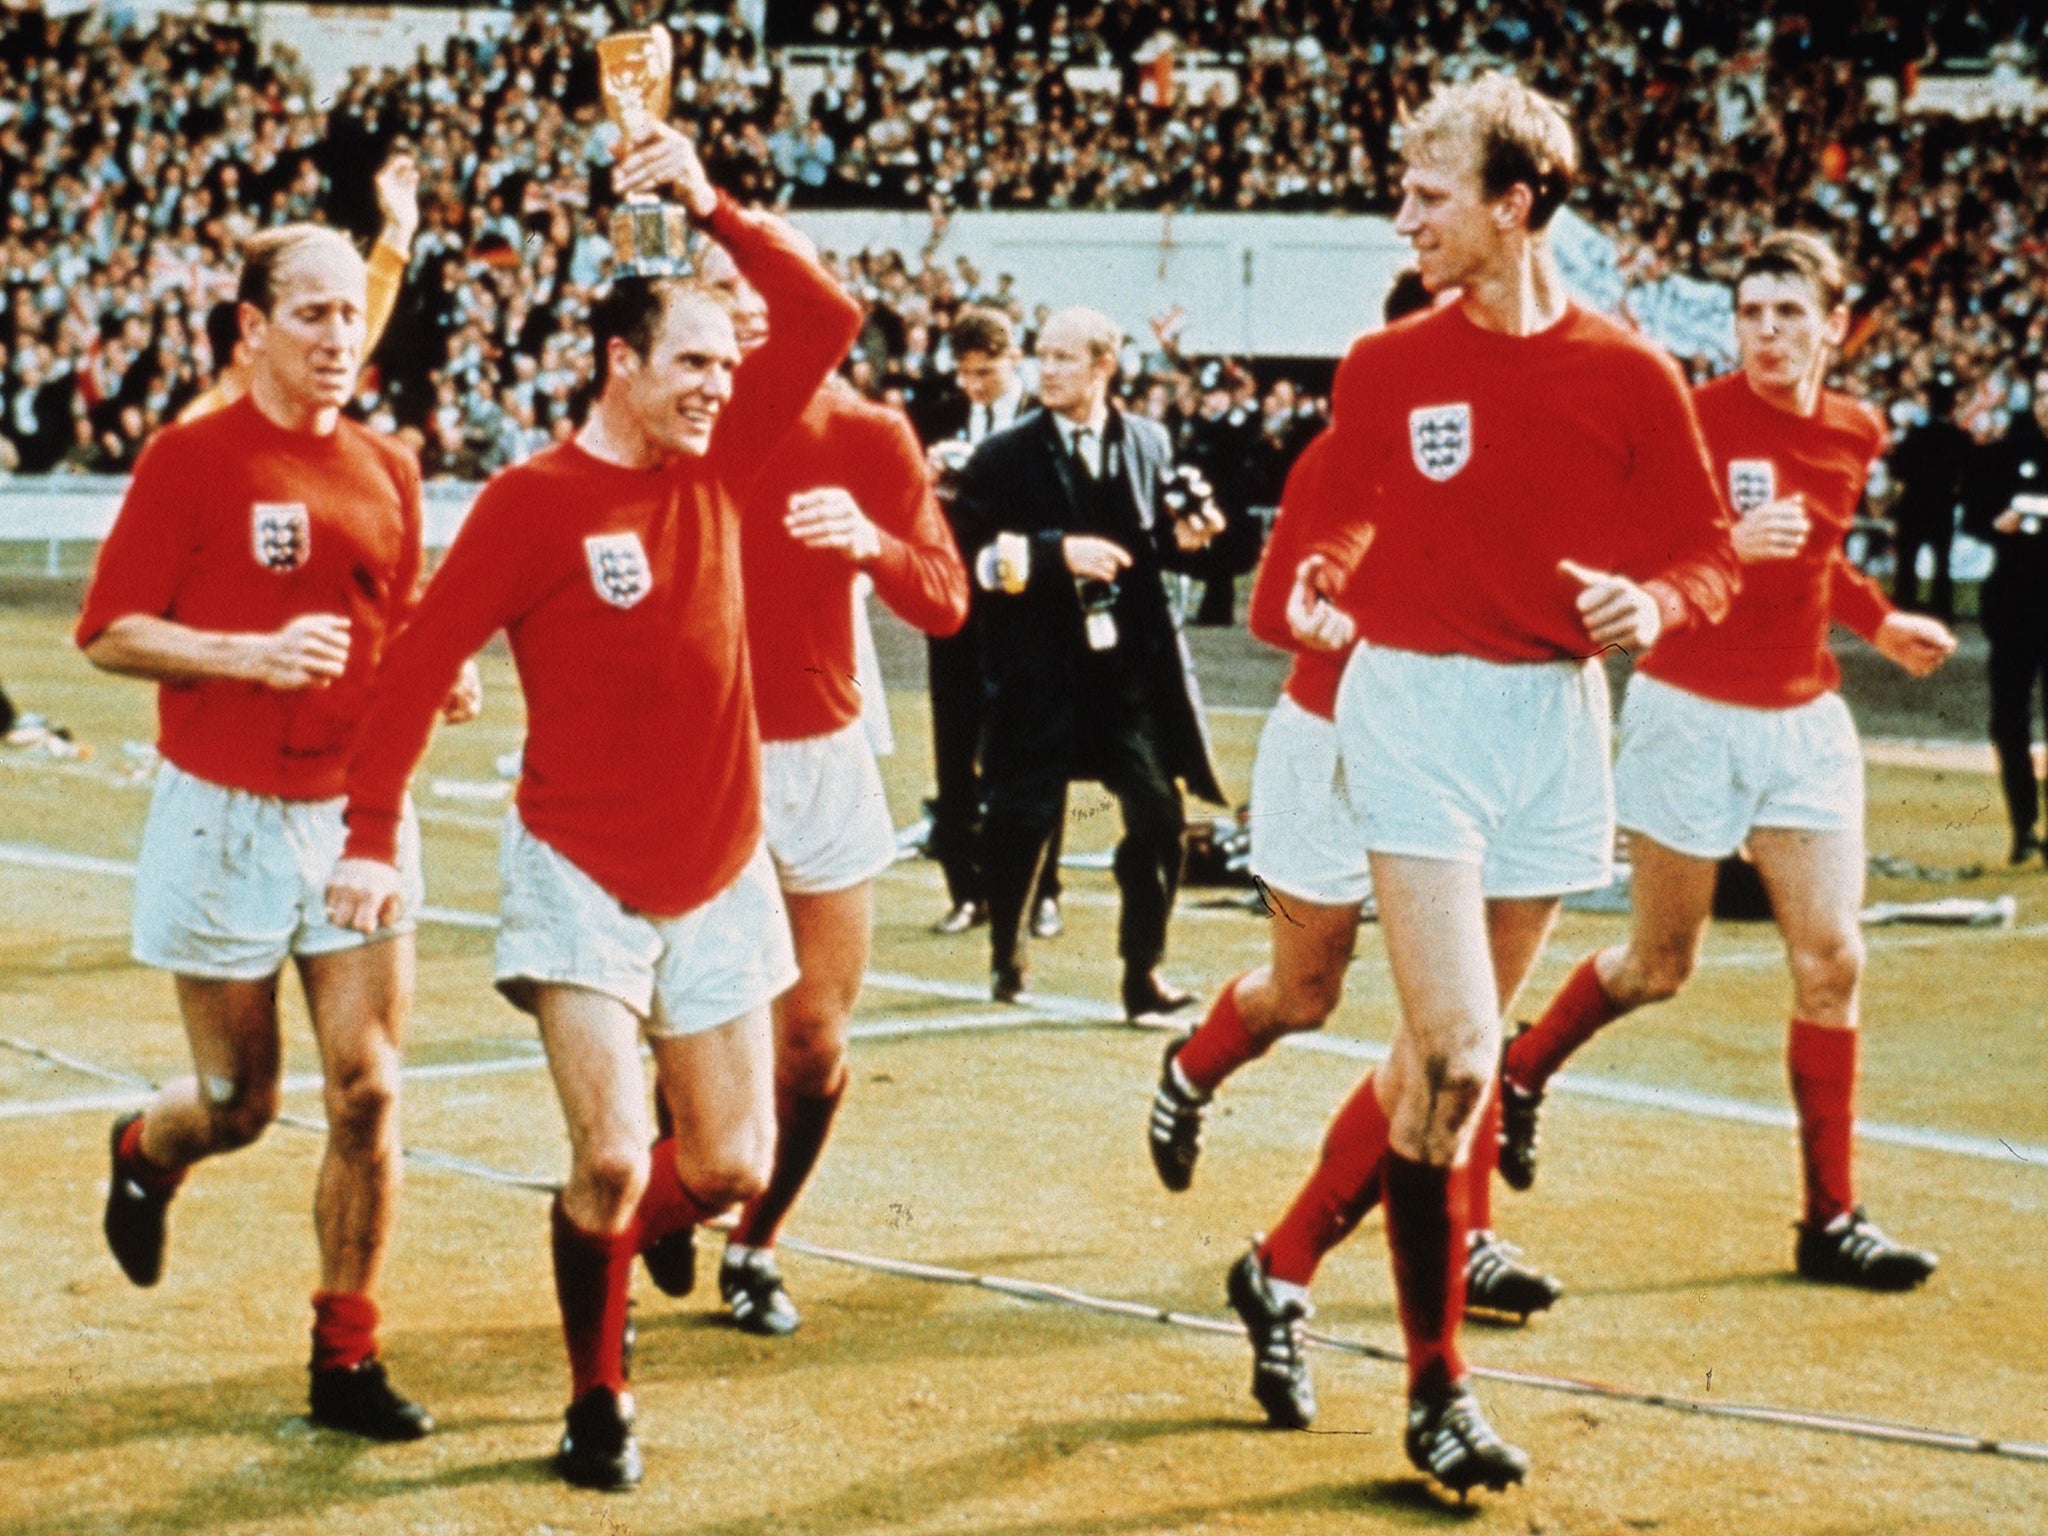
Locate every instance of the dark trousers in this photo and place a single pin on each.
(1907, 543)
(957, 710)
(2019, 664)
(1026, 806)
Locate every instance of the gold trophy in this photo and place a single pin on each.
(635, 74)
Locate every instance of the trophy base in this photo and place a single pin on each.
(652, 239)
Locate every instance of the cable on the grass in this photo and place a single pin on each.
(1856, 1426)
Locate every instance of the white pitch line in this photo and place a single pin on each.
(1041, 1008)
(903, 1028)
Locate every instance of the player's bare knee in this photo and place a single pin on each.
(362, 1100)
(612, 1177)
(810, 1056)
(1454, 1084)
(1662, 970)
(1827, 971)
(238, 1111)
(730, 1176)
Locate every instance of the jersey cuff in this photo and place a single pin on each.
(371, 835)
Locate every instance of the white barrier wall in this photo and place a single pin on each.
(1281, 285)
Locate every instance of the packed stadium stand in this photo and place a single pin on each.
(134, 156)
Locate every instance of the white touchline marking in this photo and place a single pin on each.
(1042, 1007)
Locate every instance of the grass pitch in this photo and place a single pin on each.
(906, 1406)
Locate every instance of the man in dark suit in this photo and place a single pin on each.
(2006, 505)
(1927, 466)
(1060, 520)
(989, 397)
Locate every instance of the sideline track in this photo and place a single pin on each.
(1040, 1009)
(1853, 1426)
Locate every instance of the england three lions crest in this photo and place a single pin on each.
(280, 535)
(618, 568)
(1751, 483)
(1440, 437)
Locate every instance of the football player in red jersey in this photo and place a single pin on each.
(638, 899)
(262, 559)
(845, 493)
(1736, 736)
(1516, 484)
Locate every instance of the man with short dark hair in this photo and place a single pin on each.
(639, 902)
(990, 398)
(1737, 736)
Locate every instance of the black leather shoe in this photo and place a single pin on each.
(672, 1262)
(358, 1399)
(1046, 922)
(1006, 983)
(960, 917)
(1148, 999)
(2024, 847)
(135, 1218)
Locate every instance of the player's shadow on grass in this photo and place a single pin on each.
(1746, 1280)
(943, 1491)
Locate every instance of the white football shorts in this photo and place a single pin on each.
(1697, 774)
(1306, 838)
(229, 884)
(680, 975)
(824, 811)
(1499, 764)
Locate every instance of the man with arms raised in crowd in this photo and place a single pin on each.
(844, 493)
(261, 561)
(638, 900)
(1515, 484)
(1736, 735)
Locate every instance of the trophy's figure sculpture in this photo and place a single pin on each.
(635, 74)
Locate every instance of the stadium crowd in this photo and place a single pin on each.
(132, 164)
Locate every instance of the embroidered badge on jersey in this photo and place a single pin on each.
(1751, 483)
(280, 534)
(1440, 437)
(618, 568)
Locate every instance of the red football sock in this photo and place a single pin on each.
(139, 1166)
(666, 1206)
(1337, 1196)
(1480, 1164)
(593, 1274)
(344, 1330)
(1220, 1045)
(802, 1124)
(1574, 1016)
(1823, 1069)
(1426, 1233)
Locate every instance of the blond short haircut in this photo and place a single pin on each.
(1097, 331)
(1511, 133)
(270, 251)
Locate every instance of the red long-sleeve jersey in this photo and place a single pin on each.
(619, 590)
(1771, 652)
(800, 601)
(1312, 680)
(235, 524)
(1472, 462)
